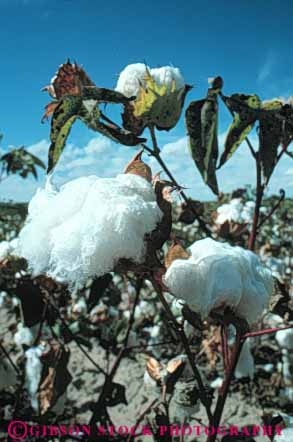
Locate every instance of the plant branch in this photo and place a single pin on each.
(267, 331)
(182, 336)
(274, 208)
(217, 416)
(155, 152)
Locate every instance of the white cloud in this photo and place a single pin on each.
(104, 158)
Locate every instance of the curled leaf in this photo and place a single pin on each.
(138, 167)
(270, 137)
(63, 118)
(154, 369)
(176, 251)
(246, 111)
(201, 122)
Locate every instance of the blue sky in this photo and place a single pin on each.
(248, 43)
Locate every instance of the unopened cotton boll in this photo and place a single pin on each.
(82, 230)
(218, 275)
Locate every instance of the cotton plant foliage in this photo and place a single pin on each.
(83, 229)
(217, 275)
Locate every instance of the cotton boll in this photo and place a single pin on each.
(168, 76)
(257, 286)
(80, 307)
(285, 338)
(230, 212)
(134, 75)
(8, 376)
(130, 79)
(245, 365)
(217, 383)
(219, 275)
(23, 336)
(33, 371)
(84, 229)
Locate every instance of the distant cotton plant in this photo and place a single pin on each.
(217, 275)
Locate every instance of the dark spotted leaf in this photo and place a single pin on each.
(62, 120)
(270, 137)
(201, 121)
(246, 111)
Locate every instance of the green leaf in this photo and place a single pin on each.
(246, 111)
(270, 137)
(201, 121)
(62, 120)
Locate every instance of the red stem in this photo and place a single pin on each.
(267, 331)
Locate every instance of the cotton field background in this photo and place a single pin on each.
(126, 302)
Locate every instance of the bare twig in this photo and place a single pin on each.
(267, 331)
(7, 355)
(274, 208)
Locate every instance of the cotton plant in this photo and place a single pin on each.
(90, 227)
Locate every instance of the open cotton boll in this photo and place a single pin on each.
(33, 371)
(5, 249)
(245, 365)
(168, 76)
(83, 230)
(285, 338)
(219, 275)
(130, 79)
(133, 76)
(24, 336)
(230, 212)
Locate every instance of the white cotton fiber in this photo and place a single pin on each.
(285, 338)
(245, 365)
(5, 249)
(82, 230)
(134, 75)
(33, 372)
(236, 211)
(219, 275)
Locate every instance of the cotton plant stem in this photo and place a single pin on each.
(182, 336)
(223, 393)
(267, 331)
(155, 152)
(273, 209)
(7, 355)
